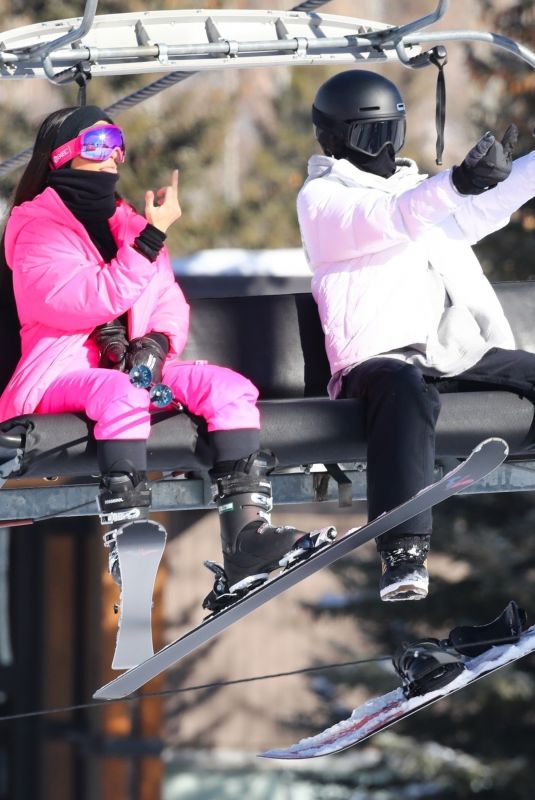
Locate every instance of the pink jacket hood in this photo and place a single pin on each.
(64, 289)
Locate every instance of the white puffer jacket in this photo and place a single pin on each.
(393, 266)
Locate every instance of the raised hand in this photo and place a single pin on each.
(163, 208)
(487, 164)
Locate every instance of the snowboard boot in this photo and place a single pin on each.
(252, 546)
(404, 568)
(123, 497)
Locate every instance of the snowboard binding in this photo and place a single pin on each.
(430, 664)
(472, 640)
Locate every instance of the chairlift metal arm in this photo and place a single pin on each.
(397, 33)
(497, 40)
(44, 51)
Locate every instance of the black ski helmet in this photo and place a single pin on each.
(359, 110)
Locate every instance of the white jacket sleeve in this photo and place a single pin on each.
(339, 222)
(488, 212)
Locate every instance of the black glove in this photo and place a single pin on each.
(112, 343)
(487, 164)
(149, 351)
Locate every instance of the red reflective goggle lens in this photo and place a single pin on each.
(370, 137)
(96, 144)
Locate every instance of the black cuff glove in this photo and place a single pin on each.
(487, 164)
(149, 351)
(112, 343)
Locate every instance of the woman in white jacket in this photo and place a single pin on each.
(402, 297)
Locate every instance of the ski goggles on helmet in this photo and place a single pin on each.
(94, 144)
(371, 137)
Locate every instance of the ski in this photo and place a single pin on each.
(380, 713)
(488, 455)
(140, 545)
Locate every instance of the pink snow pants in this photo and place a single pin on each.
(226, 399)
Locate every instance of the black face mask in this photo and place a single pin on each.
(383, 164)
(89, 195)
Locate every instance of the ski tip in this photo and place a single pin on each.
(107, 693)
(494, 441)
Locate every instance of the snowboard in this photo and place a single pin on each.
(381, 712)
(488, 455)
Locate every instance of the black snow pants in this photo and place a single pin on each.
(402, 407)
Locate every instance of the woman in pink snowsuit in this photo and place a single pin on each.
(96, 296)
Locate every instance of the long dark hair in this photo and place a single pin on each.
(33, 179)
(32, 183)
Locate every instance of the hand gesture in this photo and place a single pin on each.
(487, 164)
(163, 208)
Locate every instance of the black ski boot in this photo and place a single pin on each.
(123, 497)
(252, 546)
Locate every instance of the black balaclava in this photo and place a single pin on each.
(383, 164)
(89, 195)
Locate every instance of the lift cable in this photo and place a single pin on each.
(195, 688)
(222, 684)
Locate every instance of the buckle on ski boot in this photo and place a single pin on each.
(110, 542)
(123, 497)
(128, 515)
(223, 595)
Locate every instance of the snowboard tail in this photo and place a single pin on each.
(488, 455)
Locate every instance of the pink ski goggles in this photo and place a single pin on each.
(95, 144)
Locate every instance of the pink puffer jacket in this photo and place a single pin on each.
(64, 289)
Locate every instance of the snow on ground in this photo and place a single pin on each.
(282, 263)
